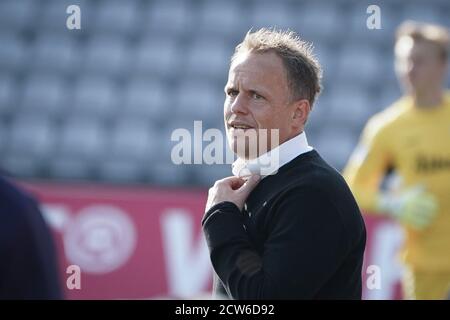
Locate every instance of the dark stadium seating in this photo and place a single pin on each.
(100, 103)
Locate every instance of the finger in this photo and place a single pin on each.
(250, 184)
(238, 183)
(231, 181)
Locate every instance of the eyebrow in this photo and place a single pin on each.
(228, 87)
(251, 90)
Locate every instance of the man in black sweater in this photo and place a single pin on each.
(293, 230)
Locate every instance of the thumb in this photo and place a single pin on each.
(250, 184)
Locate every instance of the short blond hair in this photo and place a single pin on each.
(432, 33)
(303, 69)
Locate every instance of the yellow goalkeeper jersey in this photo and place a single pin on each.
(415, 142)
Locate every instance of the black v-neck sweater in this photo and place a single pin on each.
(300, 236)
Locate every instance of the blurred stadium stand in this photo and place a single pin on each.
(100, 103)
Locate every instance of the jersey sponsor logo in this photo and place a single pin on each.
(430, 164)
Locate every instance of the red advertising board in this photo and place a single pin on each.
(140, 243)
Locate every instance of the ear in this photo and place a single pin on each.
(300, 113)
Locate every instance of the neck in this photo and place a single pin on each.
(292, 136)
(429, 98)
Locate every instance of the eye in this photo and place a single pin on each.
(257, 96)
(232, 92)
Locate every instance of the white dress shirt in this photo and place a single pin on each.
(269, 162)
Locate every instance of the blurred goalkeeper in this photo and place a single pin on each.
(412, 138)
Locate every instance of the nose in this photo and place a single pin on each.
(239, 105)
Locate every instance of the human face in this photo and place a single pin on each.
(257, 97)
(419, 65)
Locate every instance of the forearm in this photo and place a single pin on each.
(234, 259)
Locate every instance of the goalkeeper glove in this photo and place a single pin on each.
(414, 206)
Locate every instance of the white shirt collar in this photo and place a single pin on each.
(270, 162)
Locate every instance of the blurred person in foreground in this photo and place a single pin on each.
(294, 232)
(412, 139)
(28, 265)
